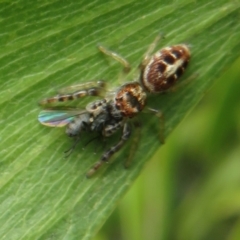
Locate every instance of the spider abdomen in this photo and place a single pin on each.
(164, 68)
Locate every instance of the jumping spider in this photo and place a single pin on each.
(158, 73)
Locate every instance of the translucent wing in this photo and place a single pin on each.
(58, 117)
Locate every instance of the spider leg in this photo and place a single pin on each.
(117, 57)
(184, 83)
(134, 144)
(106, 156)
(81, 86)
(76, 91)
(160, 116)
(151, 48)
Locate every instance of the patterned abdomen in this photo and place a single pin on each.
(164, 68)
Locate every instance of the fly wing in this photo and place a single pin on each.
(58, 118)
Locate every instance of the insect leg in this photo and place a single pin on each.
(159, 114)
(117, 57)
(106, 156)
(70, 150)
(86, 90)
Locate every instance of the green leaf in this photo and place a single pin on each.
(46, 45)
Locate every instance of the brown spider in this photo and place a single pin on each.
(158, 73)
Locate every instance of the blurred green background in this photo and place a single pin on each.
(190, 189)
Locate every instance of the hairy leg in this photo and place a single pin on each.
(160, 116)
(150, 50)
(117, 57)
(106, 156)
(76, 91)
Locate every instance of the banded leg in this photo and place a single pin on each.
(106, 156)
(117, 57)
(159, 114)
(76, 91)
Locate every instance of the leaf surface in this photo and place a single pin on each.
(47, 45)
